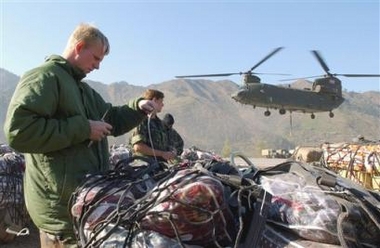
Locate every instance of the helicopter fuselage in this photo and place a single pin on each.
(287, 98)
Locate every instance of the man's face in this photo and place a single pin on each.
(159, 104)
(89, 56)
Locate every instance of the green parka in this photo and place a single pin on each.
(48, 121)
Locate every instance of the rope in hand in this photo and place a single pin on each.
(150, 135)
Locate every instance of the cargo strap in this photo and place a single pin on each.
(257, 223)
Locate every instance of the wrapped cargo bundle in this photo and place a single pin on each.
(107, 195)
(306, 209)
(13, 214)
(102, 199)
(186, 205)
(320, 206)
(11, 173)
(359, 162)
(119, 153)
(196, 154)
(193, 207)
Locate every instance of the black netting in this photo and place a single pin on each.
(143, 204)
(12, 206)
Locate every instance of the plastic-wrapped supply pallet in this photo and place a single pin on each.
(281, 238)
(13, 215)
(306, 209)
(314, 207)
(359, 162)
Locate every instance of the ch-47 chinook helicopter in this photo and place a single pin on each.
(324, 96)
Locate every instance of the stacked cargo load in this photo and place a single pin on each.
(358, 161)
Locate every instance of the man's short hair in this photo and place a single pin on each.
(89, 34)
(150, 94)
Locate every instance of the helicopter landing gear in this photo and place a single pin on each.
(331, 114)
(267, 113)
(282, 111)
(312, 116)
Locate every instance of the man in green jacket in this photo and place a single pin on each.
(60, 123)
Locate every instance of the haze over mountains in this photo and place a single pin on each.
(207, 117)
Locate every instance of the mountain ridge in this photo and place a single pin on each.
(207, 117)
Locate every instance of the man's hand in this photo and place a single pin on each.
(99, 130)
(169, 155)
(147, 106)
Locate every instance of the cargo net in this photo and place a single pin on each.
(359, 162)
(145, 204)
(13, 214)
(319, 215)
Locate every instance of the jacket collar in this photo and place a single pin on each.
(77, 73)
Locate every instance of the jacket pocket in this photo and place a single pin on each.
(54, 171)
(63, 172)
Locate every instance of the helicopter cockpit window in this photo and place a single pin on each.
(316, 88)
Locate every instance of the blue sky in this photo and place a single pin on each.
(153, 41)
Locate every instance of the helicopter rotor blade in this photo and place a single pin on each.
(239, 73)
(264, 73)
(321, 61)
(211, 75)
(357, 75)
(267, 57)
(230, 74)
(334, 75)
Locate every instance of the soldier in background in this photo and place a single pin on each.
(175, 140)
(149, 139)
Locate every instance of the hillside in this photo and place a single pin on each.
(209, 118)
